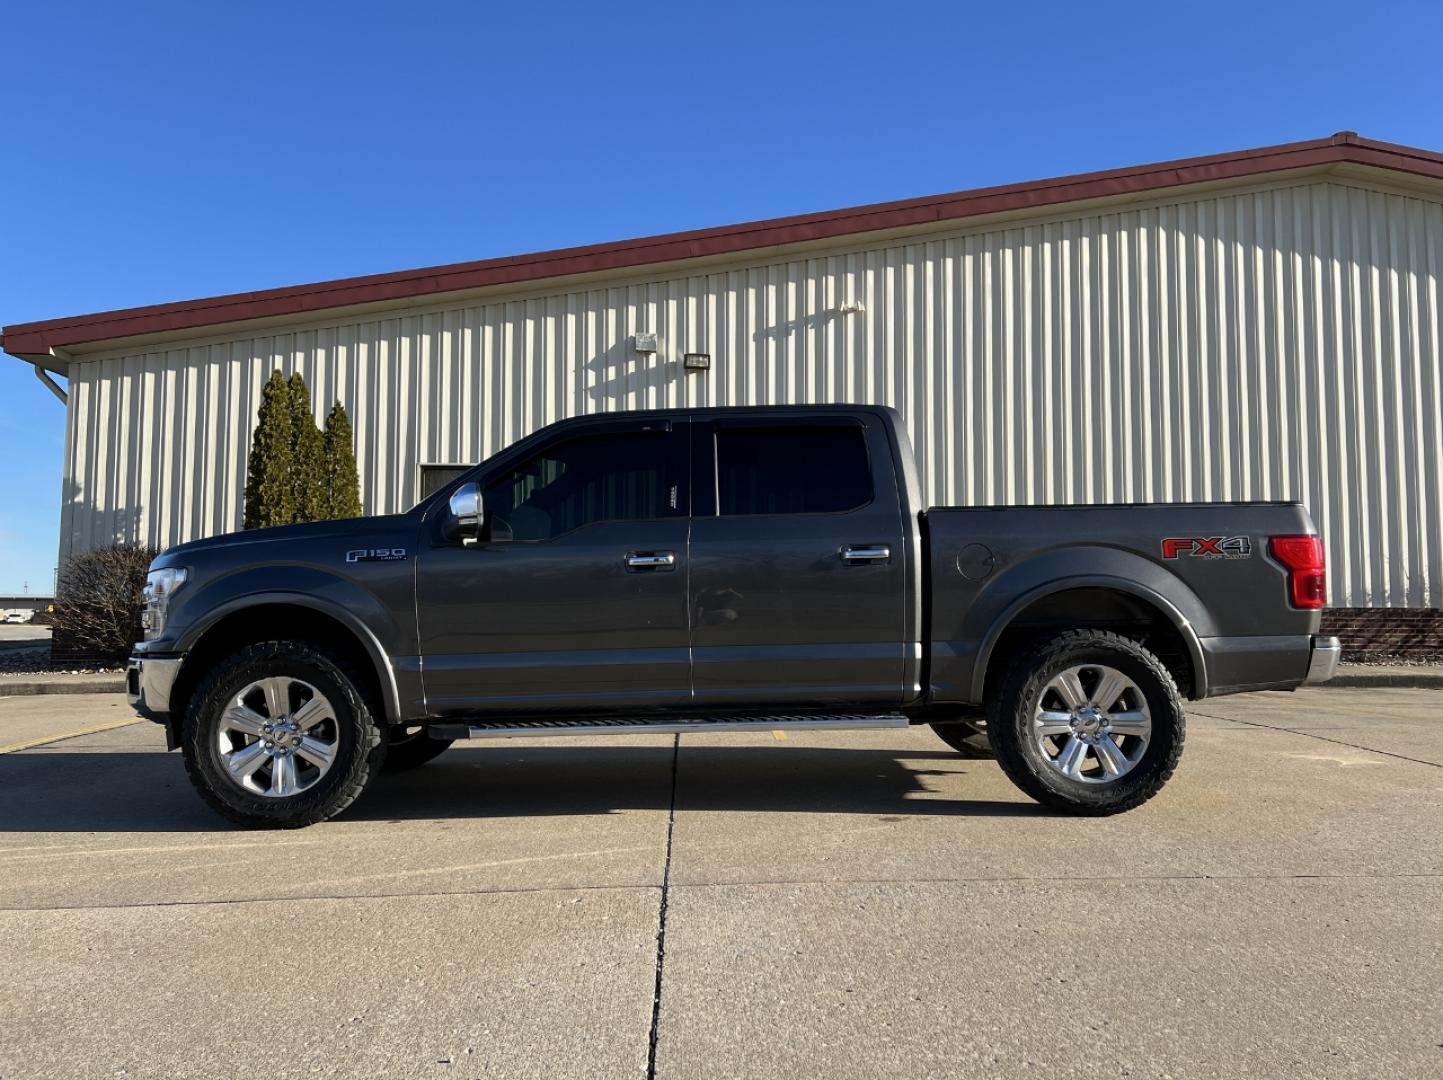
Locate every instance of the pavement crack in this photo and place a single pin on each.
(1320, 738)
(1063, 879)
(339, 896)
(661, 917)
(901, 882)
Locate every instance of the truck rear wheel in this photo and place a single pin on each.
(1087, 722)
(280, 735)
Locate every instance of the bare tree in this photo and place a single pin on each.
(98, 599)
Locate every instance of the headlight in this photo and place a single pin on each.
(160, 586)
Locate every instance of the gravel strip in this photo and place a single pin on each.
(34, 661)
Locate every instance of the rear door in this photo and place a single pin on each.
(797, 562)
(580, 602)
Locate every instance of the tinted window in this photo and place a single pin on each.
(605, 478)
(802, 470)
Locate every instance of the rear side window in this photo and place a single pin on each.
(801, 470)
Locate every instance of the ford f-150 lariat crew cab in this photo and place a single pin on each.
(714, 569)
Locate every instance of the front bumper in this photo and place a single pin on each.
(148, 681)
(1323, 664)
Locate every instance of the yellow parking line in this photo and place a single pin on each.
(27, 744)
(780, 736)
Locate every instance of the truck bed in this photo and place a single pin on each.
(989, 564)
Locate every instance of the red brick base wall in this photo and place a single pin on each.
(1409, 633)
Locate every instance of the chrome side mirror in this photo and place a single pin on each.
(463, 519)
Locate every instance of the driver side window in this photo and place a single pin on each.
(615, 477)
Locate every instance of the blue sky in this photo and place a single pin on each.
(156, 152)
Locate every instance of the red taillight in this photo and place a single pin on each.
(1307, 568)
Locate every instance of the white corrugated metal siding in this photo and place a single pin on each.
(1268, 344)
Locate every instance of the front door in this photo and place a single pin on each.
(577, 601)
(798, 564)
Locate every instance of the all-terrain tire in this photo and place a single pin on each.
(360, 748)
(408, 749)
(1011, 709)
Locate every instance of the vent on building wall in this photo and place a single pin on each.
(435, 477)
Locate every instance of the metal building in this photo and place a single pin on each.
(1253, 325)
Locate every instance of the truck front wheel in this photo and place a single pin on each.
(280, 735)
(1088, 722)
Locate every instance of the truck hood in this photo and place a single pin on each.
(283, 534)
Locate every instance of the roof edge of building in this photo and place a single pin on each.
(46, 341)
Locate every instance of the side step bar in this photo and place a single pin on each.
(520, 729)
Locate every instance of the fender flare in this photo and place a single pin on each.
(380, 662)
(1092, 581)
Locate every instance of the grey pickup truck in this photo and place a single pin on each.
(711, 570)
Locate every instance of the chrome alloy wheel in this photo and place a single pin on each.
(278, 737)
(1091, 723)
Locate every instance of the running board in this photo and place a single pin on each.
(521, 729)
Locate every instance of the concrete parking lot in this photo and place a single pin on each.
(833, 905)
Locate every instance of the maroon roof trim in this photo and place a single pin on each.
(37, 338)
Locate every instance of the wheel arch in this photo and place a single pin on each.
(272, 616)
(1072, 603)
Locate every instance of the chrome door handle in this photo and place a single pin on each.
(867, 553)
(650, 560)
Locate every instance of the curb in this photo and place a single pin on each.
(1390, 680)
(16, 688)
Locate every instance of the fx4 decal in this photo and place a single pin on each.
(1207, 547)
(375, 554)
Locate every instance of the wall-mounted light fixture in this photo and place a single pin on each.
(644, 342)
(696, 361)
(851, 307)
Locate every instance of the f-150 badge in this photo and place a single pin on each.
(1207, 547)
(375, 554)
